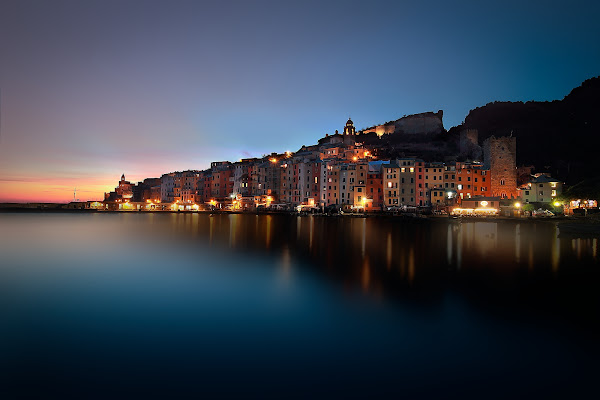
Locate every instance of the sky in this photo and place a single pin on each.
(90, 90)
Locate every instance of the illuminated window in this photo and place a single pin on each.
(553, 184)
(402, 169)
(389, 184)
(553, 193)
(412, 170)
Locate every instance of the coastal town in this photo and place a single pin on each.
(360, 172)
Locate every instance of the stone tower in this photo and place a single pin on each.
(349, 129)
(500, 158)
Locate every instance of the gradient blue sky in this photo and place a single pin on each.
(93, 89)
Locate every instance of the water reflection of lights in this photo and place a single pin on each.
(210, 228)
(576, 246)
(397, 252)
(364, 236)
(389, 251)
(366, 274)
(555, 251)
(518, 243)
(411, 264)
(298, 227)
(232, 229)
(286, 265)
(459, 246)
(485, 235)
(449, 245)
(268, 235)
(311, 230)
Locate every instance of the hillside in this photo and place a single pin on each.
(562, 136)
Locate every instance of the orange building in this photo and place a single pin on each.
(374, 188)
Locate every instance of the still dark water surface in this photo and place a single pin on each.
(171, 305)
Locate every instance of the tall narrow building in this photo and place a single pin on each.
(500, 157)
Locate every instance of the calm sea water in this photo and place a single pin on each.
(172, 305)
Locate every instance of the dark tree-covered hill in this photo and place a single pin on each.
(561, 137)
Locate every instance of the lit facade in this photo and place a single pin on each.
(541, 189)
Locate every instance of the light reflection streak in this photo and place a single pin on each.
(232, 229)
(555, 251)
(411, 264)
(268, 235)
(449, 245)
(518, 243)
(459, 247)
(298, 227)
(312, 228)
(366, 274)
(286, 265)
(389, 251)
(576, 246)
(364, 236)
(195, 225)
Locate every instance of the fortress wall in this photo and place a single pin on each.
(416, 124)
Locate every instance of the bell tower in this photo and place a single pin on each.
(349, 129)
